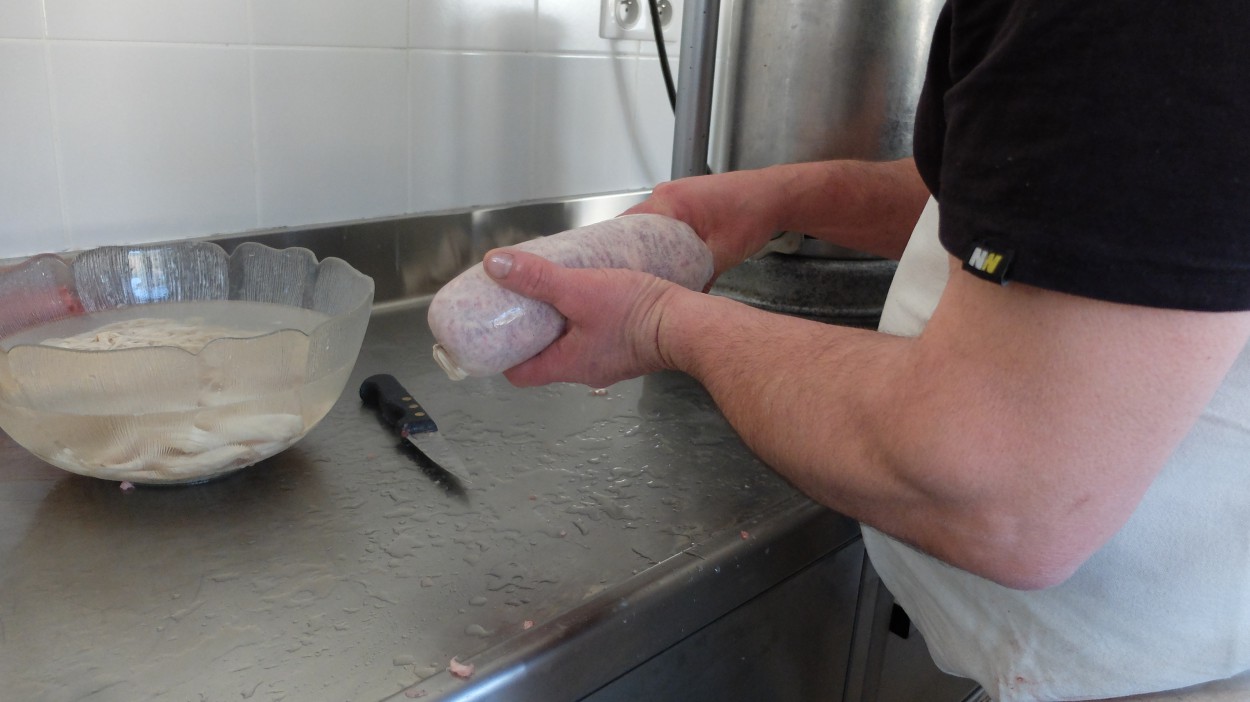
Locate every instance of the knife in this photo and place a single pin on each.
(402, 412)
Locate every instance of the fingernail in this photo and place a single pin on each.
(498, 265)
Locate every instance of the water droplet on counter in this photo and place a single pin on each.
(614, 511)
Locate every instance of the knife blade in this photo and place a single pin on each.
(403, 413)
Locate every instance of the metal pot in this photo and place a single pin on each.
(810, 80)
(807, 80)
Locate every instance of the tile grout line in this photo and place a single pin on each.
(410, 143)
(449, 50)
(58, 157)
(253, 113)
(532, 108)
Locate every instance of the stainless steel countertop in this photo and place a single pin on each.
(337, 570)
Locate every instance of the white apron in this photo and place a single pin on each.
(1164, 605)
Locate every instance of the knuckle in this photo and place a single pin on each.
(535, 277)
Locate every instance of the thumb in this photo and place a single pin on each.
(524, 273)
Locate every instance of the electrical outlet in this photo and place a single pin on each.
(631, 19)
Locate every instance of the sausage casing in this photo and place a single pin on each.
(483, 329)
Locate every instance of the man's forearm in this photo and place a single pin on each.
(824, 406)
(803, 395)
(948, 440)
(863, 205)
(1012, 438)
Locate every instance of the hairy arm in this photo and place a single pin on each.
(863, 205)
(1012, 438)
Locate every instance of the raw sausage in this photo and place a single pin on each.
(483, 329)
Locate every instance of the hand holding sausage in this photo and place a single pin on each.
(612, 319)
(483, 328)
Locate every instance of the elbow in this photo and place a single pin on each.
(1031, 574)
(1024, 547)
(1014, 555)
(1020, 535)
(1029, 556)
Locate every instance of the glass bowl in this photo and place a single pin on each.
(174, 363)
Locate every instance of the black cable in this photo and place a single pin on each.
(659, 47)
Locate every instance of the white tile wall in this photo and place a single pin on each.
(139, 120)
(182, 21)
(499, 25)
(30, 207)
(21, 19)
(653, 115)
(584, 104)
(373, 23)
(155, 140)
(472, 129)
(331, 134)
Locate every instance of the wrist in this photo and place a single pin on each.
(684, 327)
(668, 330)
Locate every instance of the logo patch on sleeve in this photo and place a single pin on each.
(989, 261)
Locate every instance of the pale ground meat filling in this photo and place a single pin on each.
(146, 331)
(182, 447)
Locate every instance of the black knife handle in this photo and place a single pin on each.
(396, 405)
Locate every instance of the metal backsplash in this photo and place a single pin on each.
(412, 256)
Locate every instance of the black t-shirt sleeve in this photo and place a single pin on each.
(1102, 148)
